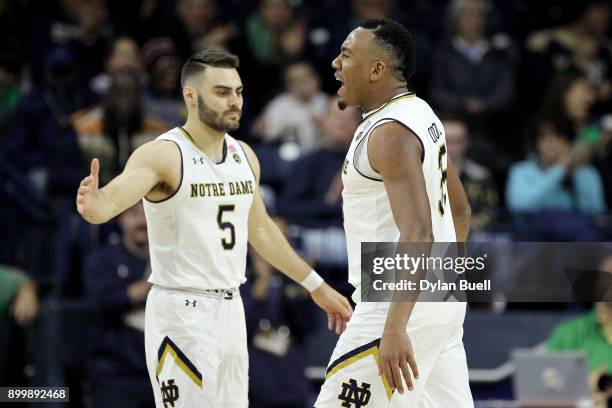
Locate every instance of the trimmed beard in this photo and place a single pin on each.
(214, 120)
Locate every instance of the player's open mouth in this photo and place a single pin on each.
(342, 90)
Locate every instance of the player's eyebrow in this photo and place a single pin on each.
(346, 49)
(228, 88)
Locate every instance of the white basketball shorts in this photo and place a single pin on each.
(352, 378)
(196, 349)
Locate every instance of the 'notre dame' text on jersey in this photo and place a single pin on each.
(367, 210)
(198, 237)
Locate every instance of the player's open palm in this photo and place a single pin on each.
(338, 308)
(88, 189)
(396, 355)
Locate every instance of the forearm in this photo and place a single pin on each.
(398, 315)
(462, 225)
(271, 244)
(103, 208)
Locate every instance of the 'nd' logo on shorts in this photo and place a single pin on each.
(170, 393)
(354, 396)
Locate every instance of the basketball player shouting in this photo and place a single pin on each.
(202, 203)
(397, 178)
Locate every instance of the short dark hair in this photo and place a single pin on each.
(215, 58)
(396, 40)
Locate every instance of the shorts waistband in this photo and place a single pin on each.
(227, 294)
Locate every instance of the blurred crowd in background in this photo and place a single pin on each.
(524, 90)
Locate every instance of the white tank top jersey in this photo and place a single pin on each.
(366, 207)
(198, 236)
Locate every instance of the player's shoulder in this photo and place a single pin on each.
(159, 152)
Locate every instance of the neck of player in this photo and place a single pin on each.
(380, 95)
(208, 140)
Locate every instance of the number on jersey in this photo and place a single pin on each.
(224, 225)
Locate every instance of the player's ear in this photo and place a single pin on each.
(378, 70)
(190, 95)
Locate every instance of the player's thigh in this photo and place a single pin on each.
(233, 374)
(448, 383)
(181, 349)
(352, 375)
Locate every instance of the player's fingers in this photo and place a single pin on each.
(406, 374)
(394, 376)
(338, 324)
(95, 167)
(397, 377)
(413, 367)
(330, 321)
(86, 181)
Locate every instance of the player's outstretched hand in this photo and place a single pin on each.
(88, 190)
(395, 356)
(338, 308)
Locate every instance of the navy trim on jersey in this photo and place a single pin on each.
(223, 155)
(247, 159)
(355, 157)
(180, 182)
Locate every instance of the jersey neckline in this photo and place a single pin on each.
(188, 137)
(403, 95)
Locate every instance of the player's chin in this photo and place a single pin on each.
(232, 124)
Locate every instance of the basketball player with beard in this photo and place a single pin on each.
(399, 186)
(200, 191)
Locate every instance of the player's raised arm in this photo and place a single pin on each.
(460, 207)
(150, 165)
(269, 242)
(396, 153)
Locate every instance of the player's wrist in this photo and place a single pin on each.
(312, 282)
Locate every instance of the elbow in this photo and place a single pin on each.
(464, 214)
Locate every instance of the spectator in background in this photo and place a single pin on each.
(10, 95)
(196, 26)
(273, 36)
(311, 199)
(582, 43)
(569, 99)
(123, 54)
(40, 140)
(592, 334)
(12, 44)
(554, 187)
(163, 65)
(80, 24)
(293, 116)
(116, 284)
(18, 304)
(569, 102)
(471, 72)
(112, 130)
(279, 320)
(18, 296)
(477, 180)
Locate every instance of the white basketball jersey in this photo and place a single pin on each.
(198, 236)
(366, 207)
